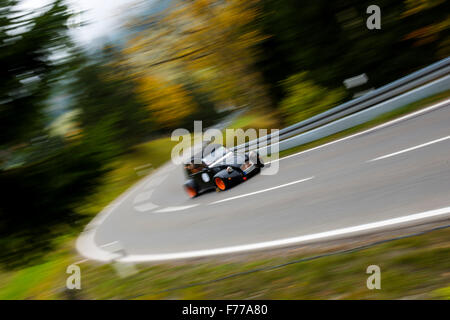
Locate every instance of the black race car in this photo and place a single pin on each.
(219, 168)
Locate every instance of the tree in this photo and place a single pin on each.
(305, 99)
(212, 41)
(169, 102)
(432, 26)
(104, 92)
(45, 178)
(28, 66)
(330, 40)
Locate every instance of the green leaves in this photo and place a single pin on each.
(305, 99)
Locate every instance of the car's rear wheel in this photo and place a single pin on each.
(255, 158)
(260, 163)
(191, 191)
(220, 184)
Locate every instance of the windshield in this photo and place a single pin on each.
(216, 154)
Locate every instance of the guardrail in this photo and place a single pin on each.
(361, 117)
(351, 113)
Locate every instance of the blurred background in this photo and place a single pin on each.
(91, 90)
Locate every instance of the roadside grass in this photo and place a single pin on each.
(129, 169)
(252, 120)
(28, 282)
(416, 267)
(256, 120)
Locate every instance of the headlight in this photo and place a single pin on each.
(229, 169)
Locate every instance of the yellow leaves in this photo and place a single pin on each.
(169, 102)
(415, 6)
(201, 6)
(240, 13)
(209, 43)
(221, 31)
(428, 33)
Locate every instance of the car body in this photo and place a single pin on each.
(219, 168)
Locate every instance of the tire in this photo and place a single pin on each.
(260, 163)
(191, 190)
(220, 184)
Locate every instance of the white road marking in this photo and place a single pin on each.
(143, 196)
(177, 208)
(103, 215)
(408, 116)
(286, 241)
(155, 181)
(260, 191)
(81, 261)
(87, 247)
(410, 149)
(146, 207)
(109, 244)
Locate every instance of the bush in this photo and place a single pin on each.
(305, 98)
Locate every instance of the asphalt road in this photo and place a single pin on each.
(386, 177)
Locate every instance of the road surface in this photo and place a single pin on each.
(398, 173)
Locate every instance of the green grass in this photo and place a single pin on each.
(256, 120)
(23, 281)
(26, 283)
(252, 120)
(415, 267)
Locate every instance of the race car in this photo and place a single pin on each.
(218, 168)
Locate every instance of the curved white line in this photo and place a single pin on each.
(86, 246)
(287, 241)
